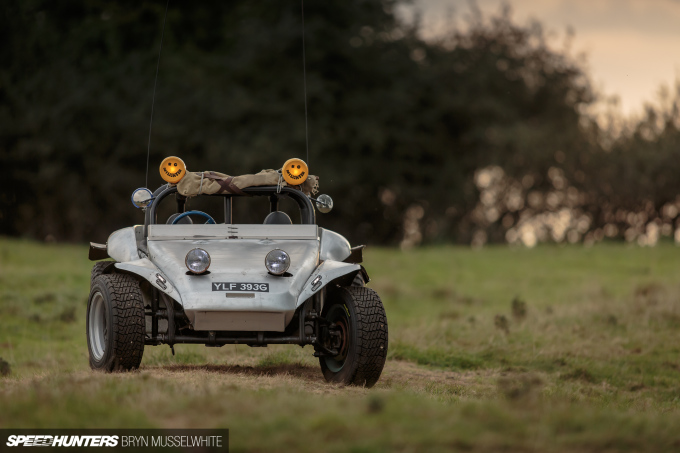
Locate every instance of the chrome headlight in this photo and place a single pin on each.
(197, 261)
(277, 262)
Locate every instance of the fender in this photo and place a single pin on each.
(333, 246)
(122, 245)
(325, 273)
(149, 272)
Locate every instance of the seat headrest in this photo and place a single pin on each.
(277, 218)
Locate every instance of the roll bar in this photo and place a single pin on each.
(307, 213)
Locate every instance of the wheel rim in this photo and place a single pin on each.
(338, 315)
(97, 330)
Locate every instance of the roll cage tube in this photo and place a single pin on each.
(307, 214)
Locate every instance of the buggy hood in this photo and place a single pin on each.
(235, 278)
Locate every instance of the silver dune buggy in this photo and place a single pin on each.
(177, 282)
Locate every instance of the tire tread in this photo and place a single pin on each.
(99, 268)
(372, 335)
(128, 322)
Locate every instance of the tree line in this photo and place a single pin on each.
(481, 136)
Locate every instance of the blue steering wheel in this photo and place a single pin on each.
(210, 221)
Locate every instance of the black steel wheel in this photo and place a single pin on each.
(115, 323)
(358, 327)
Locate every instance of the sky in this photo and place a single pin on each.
(632, 46)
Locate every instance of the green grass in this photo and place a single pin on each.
(587, 360)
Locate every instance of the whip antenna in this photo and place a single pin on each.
(304, 76)
(153, 98)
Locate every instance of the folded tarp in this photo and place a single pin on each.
(212, 182)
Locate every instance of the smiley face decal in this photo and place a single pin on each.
(173, 169)
(295, 172)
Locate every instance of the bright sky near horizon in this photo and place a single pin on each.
(632, 46)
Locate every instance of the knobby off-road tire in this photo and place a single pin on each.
(361, 360)
(115, 323)
(99, 268)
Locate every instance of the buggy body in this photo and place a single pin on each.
(319, 300)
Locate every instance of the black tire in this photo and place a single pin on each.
(364, 346)
(115, 323)
(100, 268)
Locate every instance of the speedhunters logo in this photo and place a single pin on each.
(62, 441)
(117, 439)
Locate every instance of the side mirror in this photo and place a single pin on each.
(142, 197)
(324, 203)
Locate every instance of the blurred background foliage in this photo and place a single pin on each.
(482, 136)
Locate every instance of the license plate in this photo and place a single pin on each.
(256, 287)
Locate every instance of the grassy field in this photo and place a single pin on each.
(551, 349)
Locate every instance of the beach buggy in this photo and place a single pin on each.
(193, 279)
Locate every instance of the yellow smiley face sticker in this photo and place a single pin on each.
(173, 169)
(295, 171)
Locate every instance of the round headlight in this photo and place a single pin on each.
(197, 261)
(277, 262)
